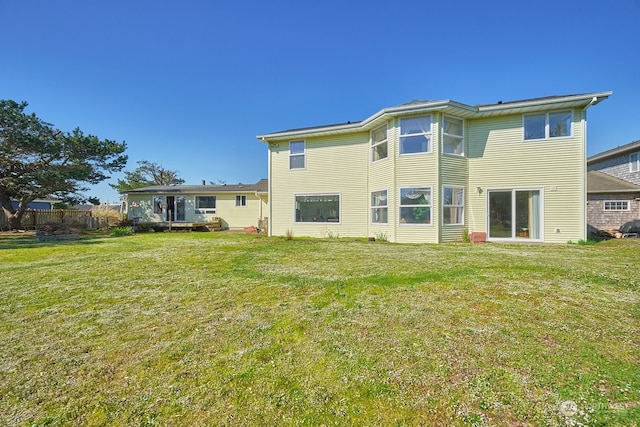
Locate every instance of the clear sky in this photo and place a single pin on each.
(189, 84)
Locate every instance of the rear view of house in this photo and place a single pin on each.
(429, 171)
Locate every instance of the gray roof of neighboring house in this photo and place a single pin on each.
(599, 182)
(261, 186)
(615, 152)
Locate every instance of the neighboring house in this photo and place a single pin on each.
(40, 204)
(235, 206)
(613, 190)
(429, 171)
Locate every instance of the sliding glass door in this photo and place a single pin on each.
(515, 214)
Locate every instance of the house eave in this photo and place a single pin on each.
(446, 107)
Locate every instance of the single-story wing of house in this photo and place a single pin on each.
(232, 206)
(613, 189)
(435, 171)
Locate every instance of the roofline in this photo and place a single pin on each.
(464, 110)
(615, 152)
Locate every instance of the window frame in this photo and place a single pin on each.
(158, 205)
(429, 205)
(615, 208)
(327, 220)
(452, 205)
(428, 135)
(376, 144)
(241, 200)
(206, 210)
(547, 132)
(374, 208)
(302, 154)
(450, 135)
(634, 165)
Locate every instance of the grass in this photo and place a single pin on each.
(191, 329)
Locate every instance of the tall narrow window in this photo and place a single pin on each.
(415, 205)
(548, 125)
(241, 201)
(634, 162)
(157, 204)
(379, 148)
(453, 205)
(415, 135)
(296, 155)
(452, 136)
(379, 213)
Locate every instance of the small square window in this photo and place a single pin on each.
(241, 201)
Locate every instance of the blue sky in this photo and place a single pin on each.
(189, 84)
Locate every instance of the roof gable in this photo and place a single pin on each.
(622, 150)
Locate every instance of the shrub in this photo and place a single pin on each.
(121, 231)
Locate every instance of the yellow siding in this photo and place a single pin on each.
(231, 215)
(501, 159)
(334, 165)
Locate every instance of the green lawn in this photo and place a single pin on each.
(195, 329)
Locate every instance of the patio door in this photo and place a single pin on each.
(515, 214)
(176, 208)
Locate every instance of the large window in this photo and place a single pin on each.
(379, 213)
(515, 214)
(241, 201)
(634, 162)
(296, 155)
(452, 205)
(452, 136)
(379, 146)
(415, 135)
(616, 205)
(318, 208)
(415, 205)
(205, 204)
(549, 125)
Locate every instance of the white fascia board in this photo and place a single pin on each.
(544, 103)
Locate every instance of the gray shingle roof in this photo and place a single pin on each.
(260, 186)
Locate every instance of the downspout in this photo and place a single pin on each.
(269, 180)
(583, 195)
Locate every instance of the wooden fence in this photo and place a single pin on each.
(35, 218)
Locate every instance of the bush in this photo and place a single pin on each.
(121, 231)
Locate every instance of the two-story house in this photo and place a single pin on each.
(429, 171)
(613, 190)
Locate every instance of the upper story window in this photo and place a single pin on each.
(241, 201)
(548, 125)
(452, 136)
(205, 204)
(379, 209)
(297, 155)
(634, 162)
(379, 146)
(415, 135)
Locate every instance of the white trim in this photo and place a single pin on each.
(372, 146)
(303, 154)
(461, 137)
(339, 194)
(460, 187)
(428, 135)
(636, 161)
(513, 210)
(371, 207)
(547, 132)
(627, 202)
(430, 206)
